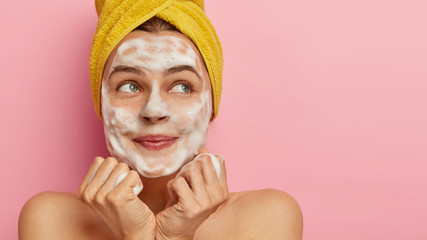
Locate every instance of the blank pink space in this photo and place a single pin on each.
(325, 100)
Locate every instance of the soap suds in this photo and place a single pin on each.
(188, 121)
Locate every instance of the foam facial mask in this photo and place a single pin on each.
(186, 121)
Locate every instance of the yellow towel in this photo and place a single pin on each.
(119, 17)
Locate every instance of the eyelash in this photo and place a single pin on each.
(185, 83)
(173, 85)
(126, 82)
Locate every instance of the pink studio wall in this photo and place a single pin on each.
(325, 100)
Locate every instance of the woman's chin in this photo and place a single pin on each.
(158, 173)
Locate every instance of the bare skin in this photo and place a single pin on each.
(263, 214)
(193, 205)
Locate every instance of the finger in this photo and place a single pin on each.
(136, 189)
(214, 190)
(223, 177)
(220, 158)
(116, 176)
(120, 178)
(216, 162)
(173, 198)
(100, 160)
(208, 169)
(184, 195)
(128, 184)
(90, 174)
(101, 175)
(194, 178)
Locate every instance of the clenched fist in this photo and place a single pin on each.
(195, 194)
(111, 189)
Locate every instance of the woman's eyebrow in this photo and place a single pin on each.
(181, 68)
(123, 68)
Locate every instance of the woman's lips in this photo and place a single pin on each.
(156, 142)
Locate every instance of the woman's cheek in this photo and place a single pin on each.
(123, 119)
(201, 114)
(119, 122)
(191, 117)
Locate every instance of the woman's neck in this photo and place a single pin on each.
(155, 193)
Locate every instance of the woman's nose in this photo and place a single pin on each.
(154, 119)
(155, 110)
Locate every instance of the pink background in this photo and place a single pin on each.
(325, 100)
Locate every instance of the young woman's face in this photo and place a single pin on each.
(156, 102)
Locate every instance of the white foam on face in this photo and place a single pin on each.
(157, 53)
(155, 105)
(188, 121)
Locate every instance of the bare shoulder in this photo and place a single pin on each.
(259, 214)
(59, 215)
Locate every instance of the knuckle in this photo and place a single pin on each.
(217, 199)
(220, 198)
(99, 199)
(111, 160)
(191, 166)
(87, 197)
(190, 171)
(204, 157)
(206, 204)
(183, 175)
(178, 181)
(80, 192)
(170, 183)
(116, 198)
(98, 160)
(198, 167)
(193, 212)
(133, 174)
(202, 160)
(208, 161)
(122, 166)
(112, 197)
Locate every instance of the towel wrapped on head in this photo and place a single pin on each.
(117, 18)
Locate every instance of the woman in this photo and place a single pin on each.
(157, 89)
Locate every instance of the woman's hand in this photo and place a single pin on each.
(194, 195)
(108, 189)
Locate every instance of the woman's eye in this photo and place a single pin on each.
(129, 87)
(181, 88)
